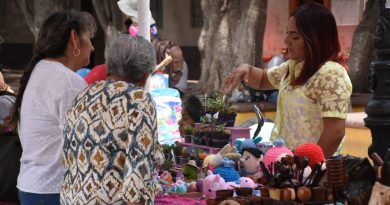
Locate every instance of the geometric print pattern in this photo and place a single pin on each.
(300, 109)
(110, 147)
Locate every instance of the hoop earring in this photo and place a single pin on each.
(76, 52)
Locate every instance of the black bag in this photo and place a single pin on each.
(10, 153)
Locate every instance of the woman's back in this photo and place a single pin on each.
(47, 97)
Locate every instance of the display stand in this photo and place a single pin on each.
(235, 133)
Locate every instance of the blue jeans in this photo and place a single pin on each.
(38, 199)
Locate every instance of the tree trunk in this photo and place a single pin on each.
(3, 7)
(35, 12)
(110, 18)
(232, 34)
(363, 47)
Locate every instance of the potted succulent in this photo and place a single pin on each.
(219, 136)
(187, 132)
(217, 104)
(167, 150)
(185, 156)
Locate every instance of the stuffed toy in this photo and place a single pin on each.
(246, 182)
(227, 171)
(190, 171)
(165, 178)
(272, 154)
(311, 151)
(240, 145)
(179, 187)
(226, 152)
(211, 184)
(250, 163)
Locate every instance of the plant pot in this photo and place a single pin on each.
(208, 141)
(220, 142)
(177, 159)
(187, 138)
(168, 156)
(228, 118)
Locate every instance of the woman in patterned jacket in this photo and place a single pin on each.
(314, 90)
(111, 146)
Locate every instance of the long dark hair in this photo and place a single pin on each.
(318, 28)
(52, 41)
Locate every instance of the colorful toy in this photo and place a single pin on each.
(165, 178)
(226, 152)
(250, 163)
(246, 143)
(211, 184)
(190, 170)
(272, 154)
(311, 151)
(227, 171)
(246, 182)
(180, 187)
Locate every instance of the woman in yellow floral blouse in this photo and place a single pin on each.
(314, 90)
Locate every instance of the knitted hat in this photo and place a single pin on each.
(311, 151)
(272, 154)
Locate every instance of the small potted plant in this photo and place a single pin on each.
(218, 104)
(167, 150)
(167, 165)
(177, 151)
(185, 157)
(219, 136)
(187, 132)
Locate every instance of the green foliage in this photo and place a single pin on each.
(167, 165)
(177, 149)
(190, 172)
(217, 103)
(166, 148)
(188, 130)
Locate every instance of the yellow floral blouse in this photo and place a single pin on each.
(300, 109)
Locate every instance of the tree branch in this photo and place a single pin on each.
(29, 16)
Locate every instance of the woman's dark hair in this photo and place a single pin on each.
(52, 41)
(194, 108)
(318, 28)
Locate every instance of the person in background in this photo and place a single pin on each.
(10, 148)
(111, 145)
(47, 88)
(7, 99)
(178, 69)
(314, 89)
(191, 112)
